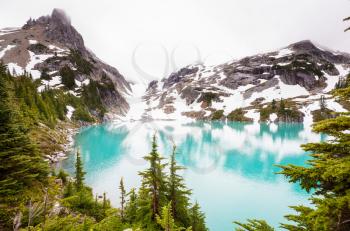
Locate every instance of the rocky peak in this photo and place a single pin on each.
(59, 16)
(57, 27)
(308, 47)
(177, 76)
(305, 45)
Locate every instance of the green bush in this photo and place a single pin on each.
(217, 115)
(238, 115)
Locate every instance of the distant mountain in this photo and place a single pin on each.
(301, 73)
(53, 53)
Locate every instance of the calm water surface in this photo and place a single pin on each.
(230, 166)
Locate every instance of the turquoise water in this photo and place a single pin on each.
(230, 166)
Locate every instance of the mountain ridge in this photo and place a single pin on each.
(47, 45)
(299, 72)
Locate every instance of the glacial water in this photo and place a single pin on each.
(231, 167)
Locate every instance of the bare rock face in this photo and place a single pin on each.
(58, 28)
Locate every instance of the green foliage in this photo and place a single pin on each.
(122, 199)
(38, 48)
(178, 193)
(63, 176)
(238, 115)
(166, 220)
(254, 225)
(158, 192)
(82, 114)
(67, 223)
(217, 115)
(131, 207)
(285, 111)
(79, 172)
(327, 175)
(68, 77)
(110, 223)
(208, 98)
(154, 182)
(21, 162)
(91, 95)
(197, 218)
(83, 66)
(301, 63)
(44, 74)
(319, 115)
(22, 168)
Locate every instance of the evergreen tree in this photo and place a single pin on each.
(21, 162)
(144, 214)
(178, 193)
(79, 172)
(328, 175)
(22, 167)
(197, 218)
(122, 200)
(253, 225)
(154, 180)
(131, 207)
(166, 220)
(105, 202)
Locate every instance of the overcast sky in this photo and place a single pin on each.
(179, 32)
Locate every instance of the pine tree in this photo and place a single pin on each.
(122, 200)
(21, 162)
(104, 202)
(154, 180)
(131, 207)
(178, 193)
(197, 218)
(327, 175)
(253, 225)
(166, 220)
(79, 173)
(22, 167)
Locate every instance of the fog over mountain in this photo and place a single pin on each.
(190, 31)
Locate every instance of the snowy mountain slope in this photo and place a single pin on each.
(53, 53)
(301, 73)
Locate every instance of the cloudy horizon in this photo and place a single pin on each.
(161, 36)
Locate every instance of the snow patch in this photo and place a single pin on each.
(281, 90)
(31, 41)
(3, 51)
(70, 111)
(14, 69)
(253, 114)
(35, 59)
(284, 52)
(273, 117)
